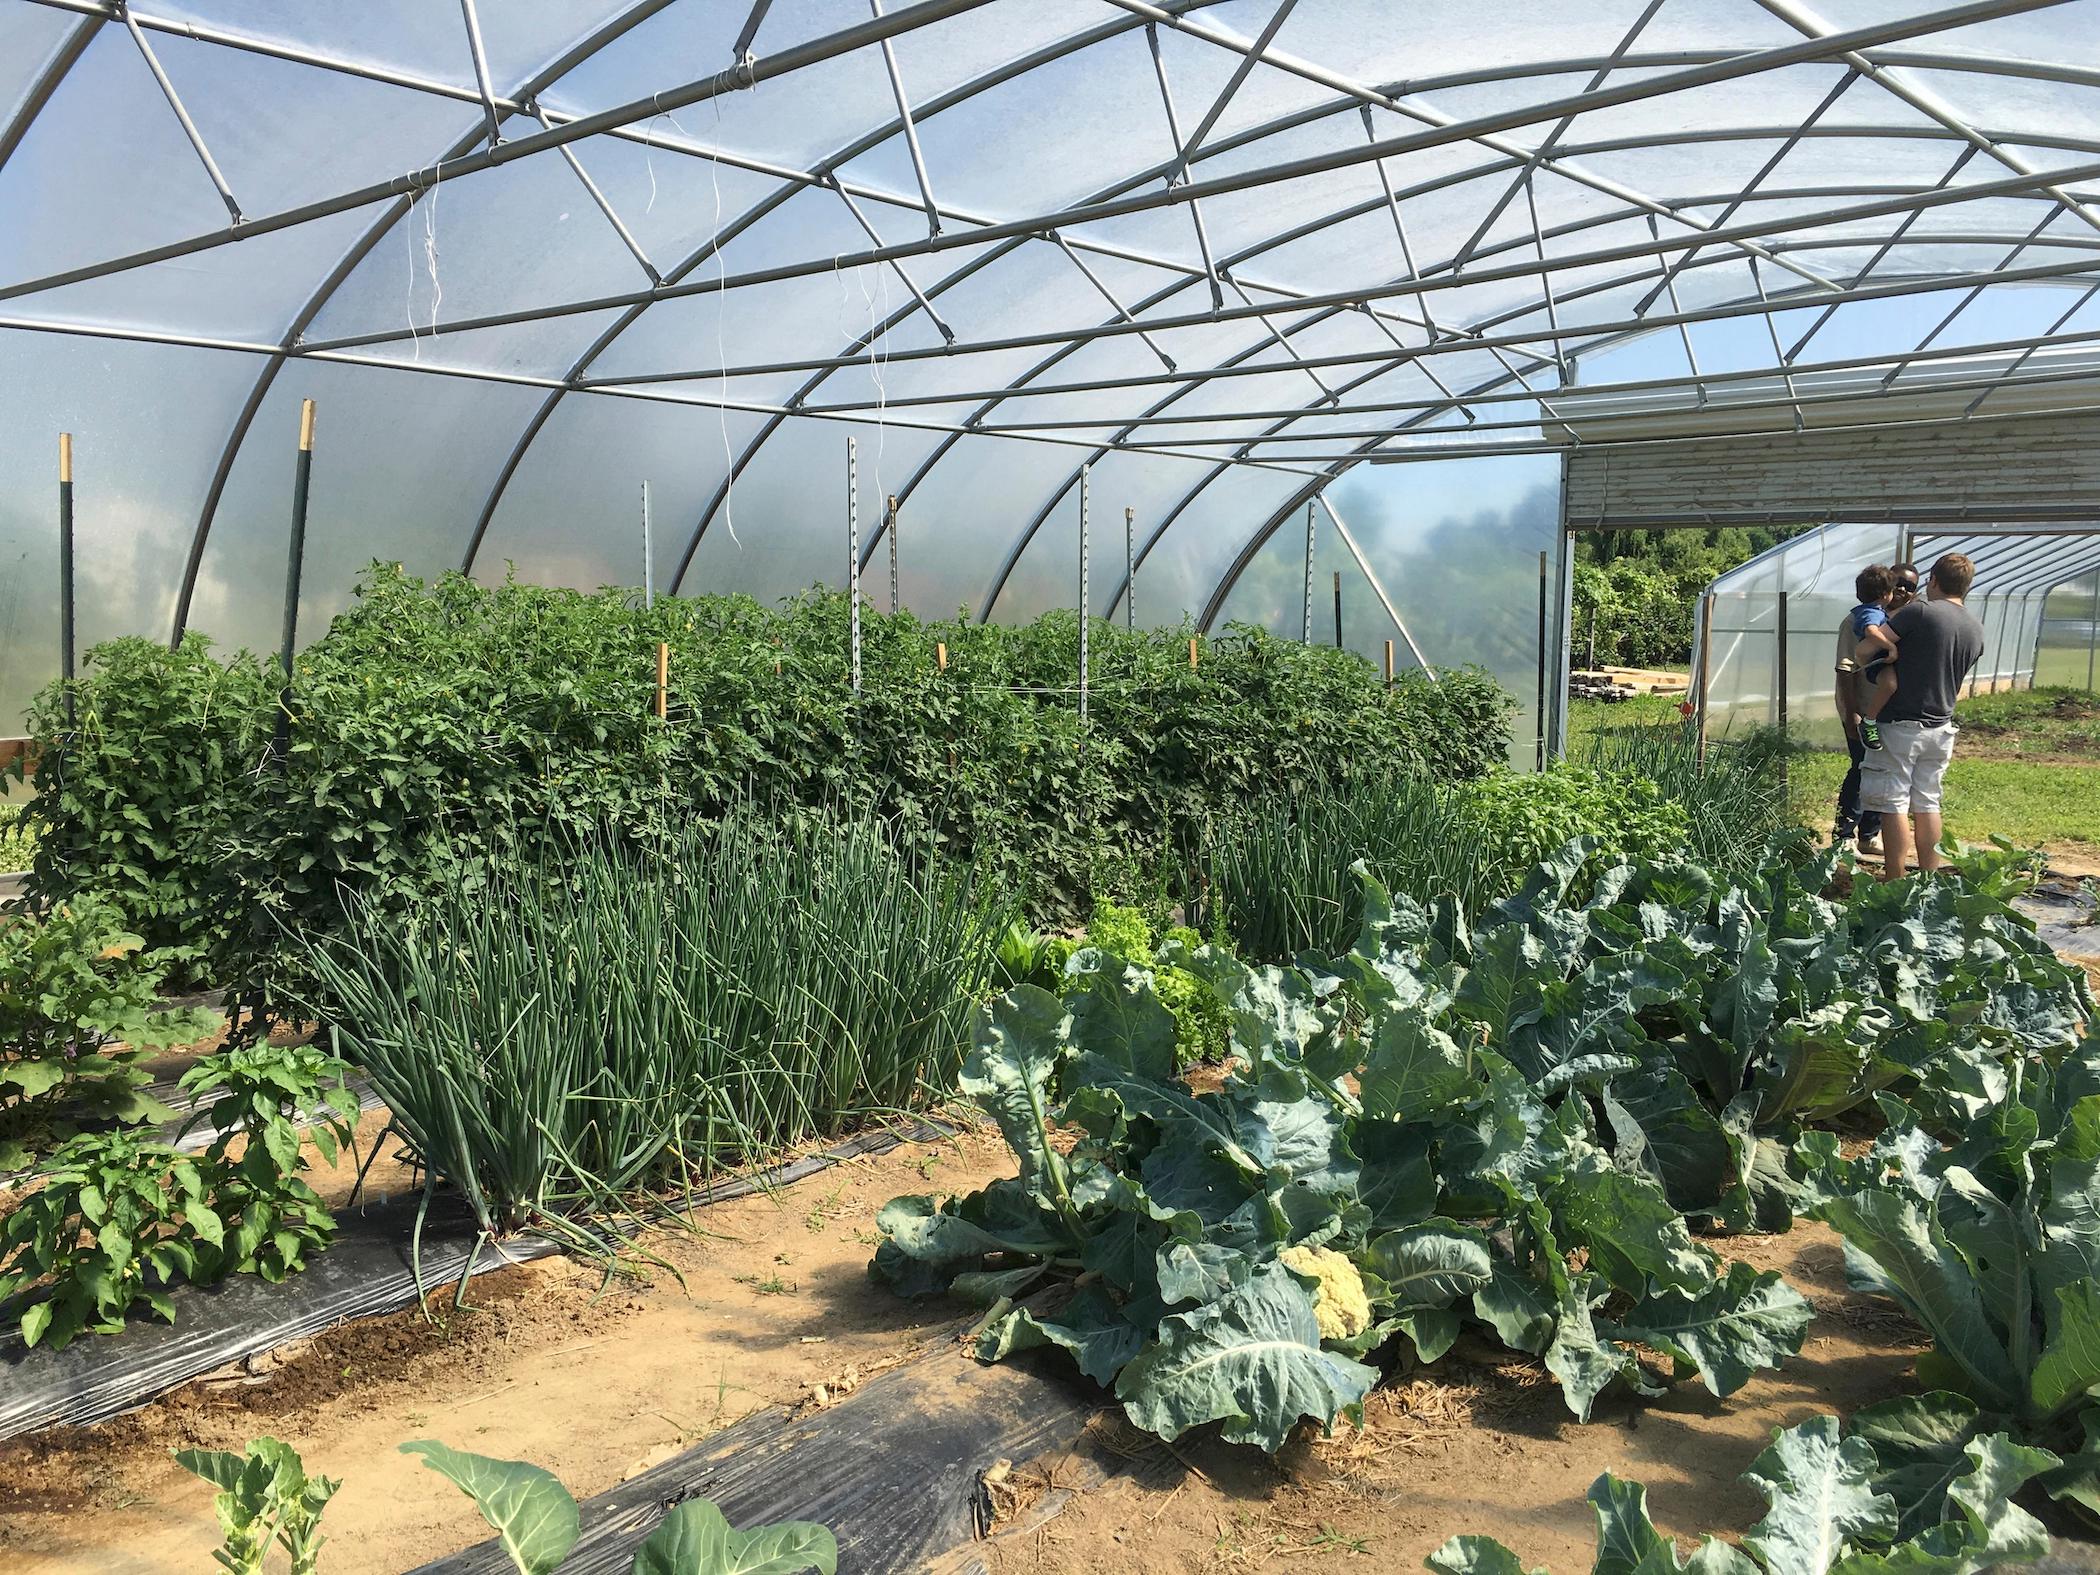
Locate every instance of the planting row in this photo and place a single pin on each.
(438, 730)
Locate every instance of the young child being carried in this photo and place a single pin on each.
(1875, 587)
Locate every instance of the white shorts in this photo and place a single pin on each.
(1904, 774)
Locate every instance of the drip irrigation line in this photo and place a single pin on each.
(893, 1470)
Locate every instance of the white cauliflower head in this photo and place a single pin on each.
(1340, 1302)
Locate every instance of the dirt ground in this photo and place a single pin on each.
(1482, 1442)
(547, 1365)
(598, 1384)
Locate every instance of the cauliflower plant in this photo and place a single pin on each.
(1340, 1302)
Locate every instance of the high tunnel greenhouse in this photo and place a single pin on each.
(799, 786)
(1270, 292)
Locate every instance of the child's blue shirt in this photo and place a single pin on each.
(1865, 616)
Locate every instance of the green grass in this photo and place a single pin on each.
(2052, 722)
(1588, 718)
(2032, 803)
(2051, 800)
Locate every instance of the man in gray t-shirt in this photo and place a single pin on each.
(1938, 642)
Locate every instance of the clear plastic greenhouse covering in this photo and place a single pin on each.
(1225, 260)
(1772, 653)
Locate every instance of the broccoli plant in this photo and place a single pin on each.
(1234, 1255)
(1901, 1492)
(265, 1498)
(535, 1521)
(1993, 1245)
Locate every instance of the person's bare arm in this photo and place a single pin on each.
(1877, 643)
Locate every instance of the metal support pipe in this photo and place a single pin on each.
(1166, 94)
(1240, 72)
(65, 570)
(1363, 564)
(189, 126)
(295, 566)
(911, 131)
(1305, 629)
(648, 555)
(1998, 657)
(747, 35)
(2092, 632)
(1085, 565)
(604, 203)
(896, 264)
(1107, 295)
(481, 71)
(853, 553)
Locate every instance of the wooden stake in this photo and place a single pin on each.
(1389, 664)
(663, 680)
(940, 653)
(1192, 653)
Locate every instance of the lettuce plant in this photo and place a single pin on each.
(1993, 1245)
(1164, 1222)
(1900, 1492)
(536, 1523)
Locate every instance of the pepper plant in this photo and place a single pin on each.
(79, 1005)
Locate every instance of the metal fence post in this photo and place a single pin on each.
(65, 568)
(889, 528)
(1305, 633)
(1779, 660)
(1540, 753)
(295, 565)
(1129, 571)
(853, 551)
(648, 557)
(1085, 485)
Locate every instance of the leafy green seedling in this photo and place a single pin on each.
(1886, 1498)
(265, 1497)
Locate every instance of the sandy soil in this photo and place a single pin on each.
(547, 1365)
(1480, 1442)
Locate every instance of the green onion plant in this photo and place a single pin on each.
(558, 1037)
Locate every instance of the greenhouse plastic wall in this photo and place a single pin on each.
(2068, 648)
(1804, 587)
(1455, 544)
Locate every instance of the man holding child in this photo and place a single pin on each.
(1910, 659)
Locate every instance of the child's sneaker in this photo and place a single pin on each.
(1870, 733)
